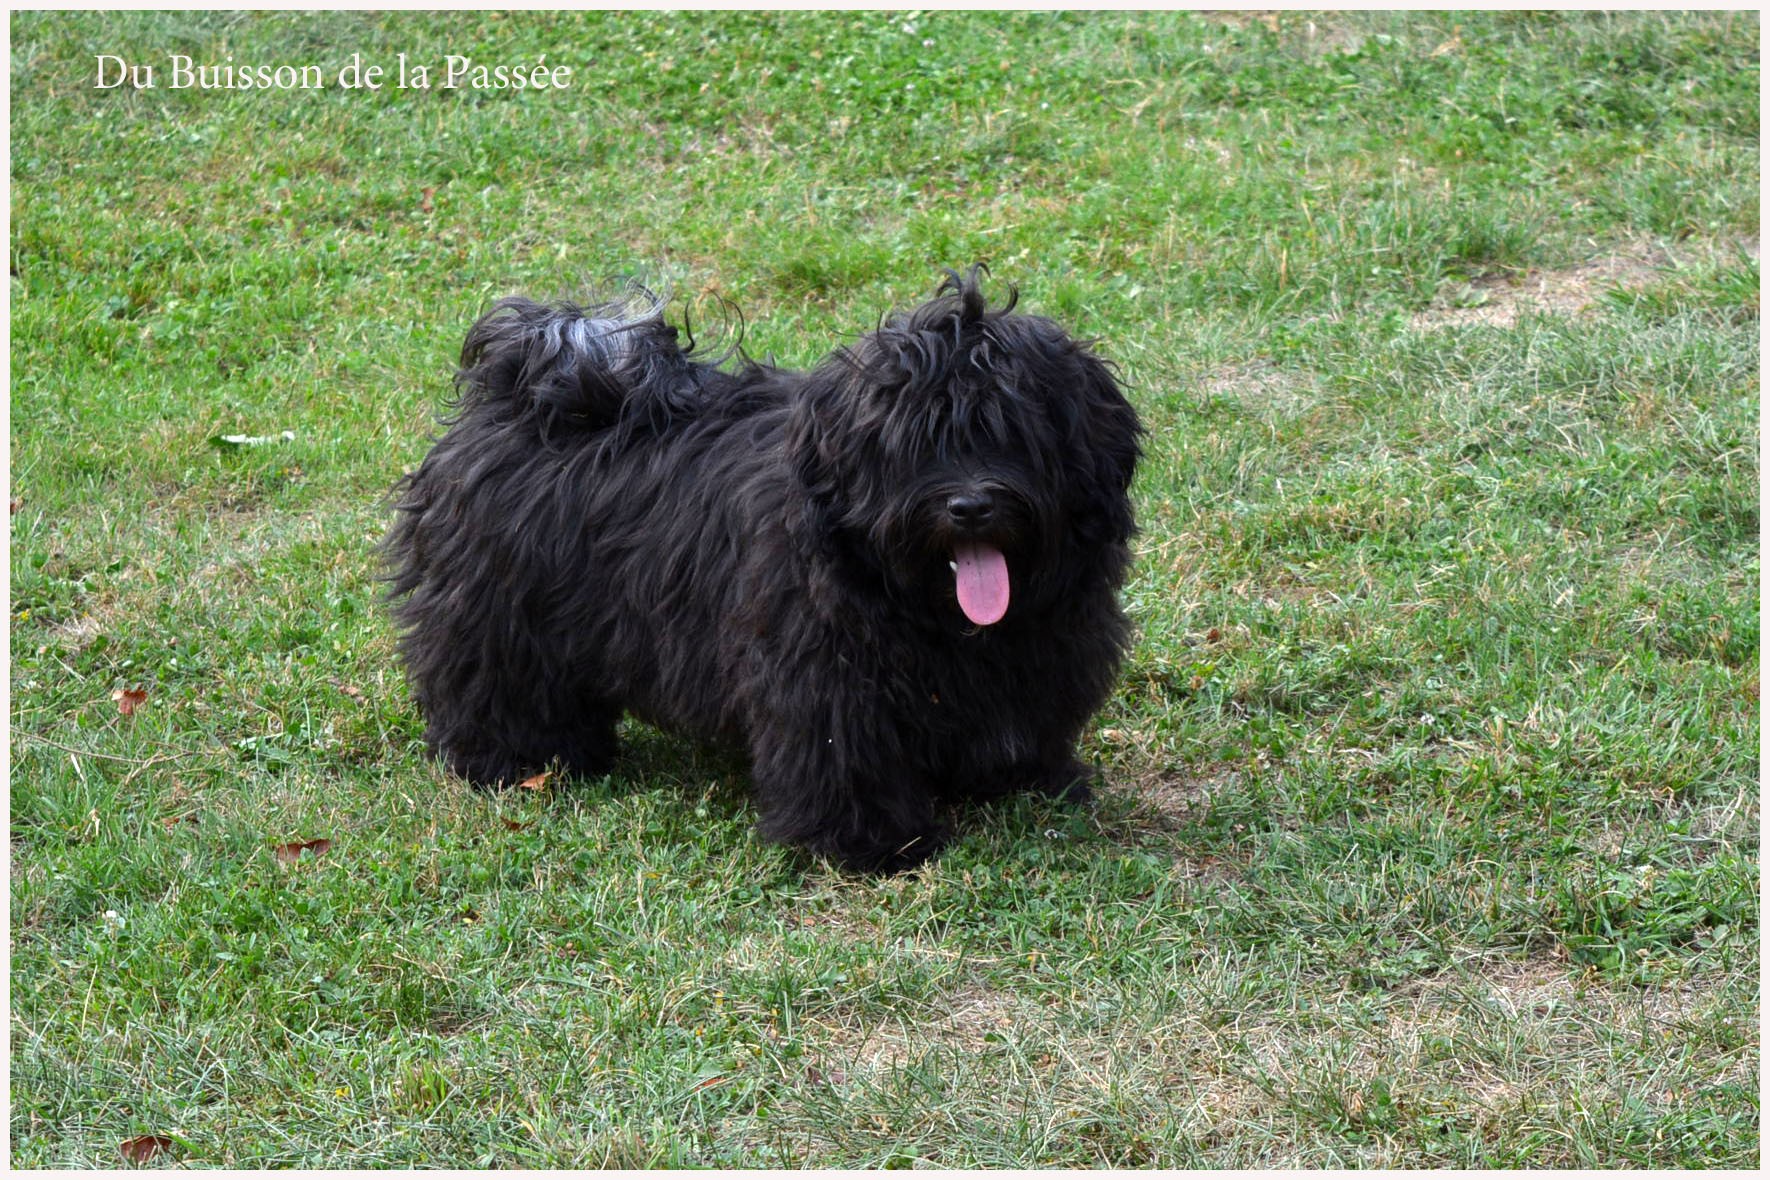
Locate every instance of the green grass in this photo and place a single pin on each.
(1431, 832)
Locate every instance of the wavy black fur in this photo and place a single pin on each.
(762, 559)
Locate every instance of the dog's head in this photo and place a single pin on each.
(977, 457)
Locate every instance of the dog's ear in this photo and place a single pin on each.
(1113, 422)
(1103, 433)
(893, 363)
(811, 429)
(805, 433)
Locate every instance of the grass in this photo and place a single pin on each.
(1431, 833)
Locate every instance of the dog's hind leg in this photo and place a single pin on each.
(482, 763)
(506, 746)
(587, 748)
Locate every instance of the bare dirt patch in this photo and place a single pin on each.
(1498, 301)
(1162, 802)
(843, 923)
(1174, 796)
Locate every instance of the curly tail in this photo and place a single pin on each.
(583, 367)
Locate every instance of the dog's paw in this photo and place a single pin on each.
(485, 770)
(1071, 783)
(889, 856)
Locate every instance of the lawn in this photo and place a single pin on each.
(1429, 833)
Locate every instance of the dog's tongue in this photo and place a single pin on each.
(982, 582)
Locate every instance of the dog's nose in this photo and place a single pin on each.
(971, 509)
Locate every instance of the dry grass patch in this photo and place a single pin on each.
(1261, 389)
(968, 1021)
(1309, 35)
(1479, 1050)
(1545, 989)
(77, 633)
(1537, 1027)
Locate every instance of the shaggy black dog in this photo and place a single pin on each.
(888, 580)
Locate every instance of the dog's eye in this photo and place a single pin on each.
(991, 425)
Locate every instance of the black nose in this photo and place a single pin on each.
(971, 509)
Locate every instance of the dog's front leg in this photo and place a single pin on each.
(839, 784)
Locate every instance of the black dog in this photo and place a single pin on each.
(889, 580)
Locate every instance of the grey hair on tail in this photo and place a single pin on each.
(576, 366)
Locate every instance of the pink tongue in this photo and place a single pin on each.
(982, 583)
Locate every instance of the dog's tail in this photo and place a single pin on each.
(579, 367)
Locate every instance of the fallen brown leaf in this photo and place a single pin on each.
(17, 503)
(290, 853)
(427, 204)
(143, 1148)
(172, 821)
(129, 700)
(516, 825)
